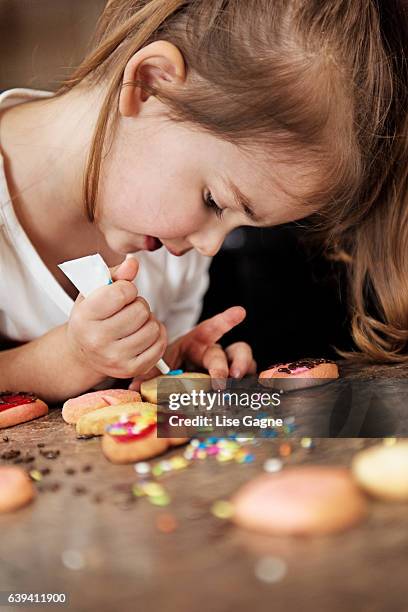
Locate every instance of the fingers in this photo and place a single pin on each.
(215, 361)
(211, 330)
(127, 270)
(126, 322)
(107, 301)
(152, 332)
(137, 381)
(241, 359)
(143, 362)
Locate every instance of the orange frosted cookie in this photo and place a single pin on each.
(135, 439)
(302, 500)
(76, 407)
(16, 489)
(20, 407)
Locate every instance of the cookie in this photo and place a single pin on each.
(135, 440)
(76, 407)
(94, 423)
(382, 471)
(16, 489)
(299, 374)
(307, 500)
(148, 388)
(20, 407)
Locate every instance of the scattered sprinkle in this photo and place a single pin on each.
(285, 449)
(73, 560)
(270, 569)
(222, 509)
(35, 475)
(273, 465)
(307, 443)
(166, 522)
(142, 468)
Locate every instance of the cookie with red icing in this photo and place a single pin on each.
(75, 408)
(20, 407)
(134, 438)
(301, 373)
(16, 489)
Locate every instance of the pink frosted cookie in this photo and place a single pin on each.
(19, 407)
(76, 407)
(305, 500)
(16, 489)
(134, 438)
(311, 372)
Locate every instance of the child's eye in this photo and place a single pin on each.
(211, 203)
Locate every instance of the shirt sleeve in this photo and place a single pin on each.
(185, 311)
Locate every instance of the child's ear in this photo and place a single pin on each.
(159, 61)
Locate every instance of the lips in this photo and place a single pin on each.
(153, 243)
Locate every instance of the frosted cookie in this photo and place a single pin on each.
(135, 439)
(76, 407)
(16, 489)
(305, 500)
(20, 407)
(148, 388)
(383, 471)
(311, 372)
(94, 423)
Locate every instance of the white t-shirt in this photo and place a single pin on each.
(31, 300)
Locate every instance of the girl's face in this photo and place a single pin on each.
(164, 182)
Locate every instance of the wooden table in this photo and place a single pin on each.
(86, 520)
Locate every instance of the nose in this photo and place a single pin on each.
(207, 242)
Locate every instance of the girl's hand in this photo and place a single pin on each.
(199, 347)
(113, 331)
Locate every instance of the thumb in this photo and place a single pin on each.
(127, 270)
(211, 330)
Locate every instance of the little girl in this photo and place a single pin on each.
(187, 119)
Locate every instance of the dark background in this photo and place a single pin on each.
(295, 304)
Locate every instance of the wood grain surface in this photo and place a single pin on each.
(86, 536)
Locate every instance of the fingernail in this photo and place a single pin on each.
(235, 373)
(130, 256)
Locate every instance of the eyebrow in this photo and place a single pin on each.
(243, 202)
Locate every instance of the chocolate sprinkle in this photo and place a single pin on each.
(79, 490)
(309, 363)
(11, 454)
(5, 438)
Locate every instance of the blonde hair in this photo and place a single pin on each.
(326, 83)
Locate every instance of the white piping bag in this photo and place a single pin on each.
(89, 273)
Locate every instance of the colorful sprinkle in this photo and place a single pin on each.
(222, 509)
(166, 522)
(307, 443)
(285, 449)
(270, 569)
(142, 468)
(273, 465)
(35, 475)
